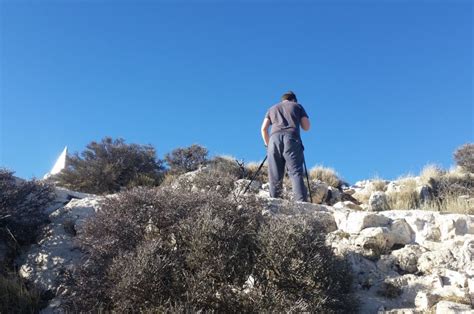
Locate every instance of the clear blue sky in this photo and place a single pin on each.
(388, 85)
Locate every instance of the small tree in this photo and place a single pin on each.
(109, 165)
(464, 157)
(182, 160)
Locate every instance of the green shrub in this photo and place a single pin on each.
(168, 250)
(110, 165)
(464, 157)
(182, 160)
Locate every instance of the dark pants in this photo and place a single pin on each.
(285, 149)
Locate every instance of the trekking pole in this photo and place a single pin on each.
(255, 175)
(307, 180)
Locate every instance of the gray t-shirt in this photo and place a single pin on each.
(286, 116)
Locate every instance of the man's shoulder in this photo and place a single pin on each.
(274, 106)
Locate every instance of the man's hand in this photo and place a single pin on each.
(264, 130)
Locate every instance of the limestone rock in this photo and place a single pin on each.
(378, 201)
(425, 300)
(347, 204)
(377, 240)
(401, 232)
(407, 257)
(56, 254)
(354, 222)
(448, 307)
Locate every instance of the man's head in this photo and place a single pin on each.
(289, 96)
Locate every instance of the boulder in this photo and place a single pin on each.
(401, 232)
(407, 257)
(429, 262)
(424, 193)
(448, 307)
(424, 300)
(319, 191)
(347, 204)
(333, 195)
(378, 201)
(354, 222)
(377, 240)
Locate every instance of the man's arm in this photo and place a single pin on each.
(264, 130)
(305, 125)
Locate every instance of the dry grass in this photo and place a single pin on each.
(251, 169)
(379, 185)
(15, 298)
(407, 197)
(327, 175)
(451, 204)
(431, 172)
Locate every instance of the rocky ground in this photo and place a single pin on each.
(403, 261)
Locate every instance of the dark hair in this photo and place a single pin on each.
(289, 96)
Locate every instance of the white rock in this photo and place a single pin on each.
(424, 300)
(448, 307)
(429, 262)
(401, 232)
(46, 262)
(357, 221)
(377, 239)
(347, 204)
(406, 258)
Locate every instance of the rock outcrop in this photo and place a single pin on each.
(403, 261)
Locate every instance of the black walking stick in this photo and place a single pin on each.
(307, 180)
(255, 175)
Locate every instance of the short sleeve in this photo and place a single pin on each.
(303, 112)
(267, 115)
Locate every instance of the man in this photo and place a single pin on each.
(284, 146)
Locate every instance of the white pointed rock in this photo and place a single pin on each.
(59, 165)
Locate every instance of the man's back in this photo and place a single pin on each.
(286, 116)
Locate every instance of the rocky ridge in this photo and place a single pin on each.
(403, 261)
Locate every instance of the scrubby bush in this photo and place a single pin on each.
(299, 271)
(21, 209)
(219, 175)
(327, 175)
(165, 250)
(464, 157)
(110, 165)
(229, 165)
(182, 160)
